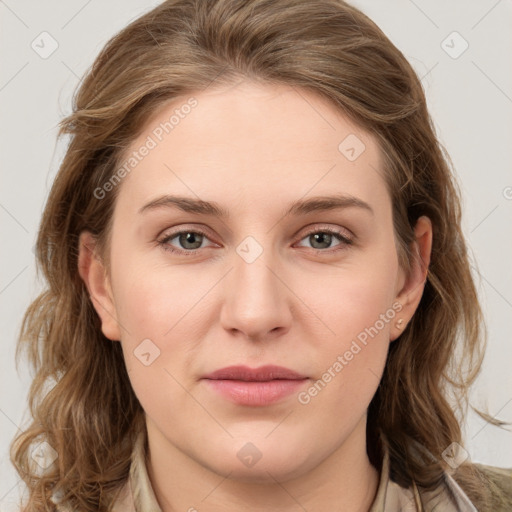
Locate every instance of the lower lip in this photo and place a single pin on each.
(256, 393)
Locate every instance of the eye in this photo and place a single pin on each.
(322, 238)
(188, 240)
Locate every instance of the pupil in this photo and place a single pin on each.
(188, 238)
(322, 238)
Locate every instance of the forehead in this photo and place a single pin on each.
(247, 144)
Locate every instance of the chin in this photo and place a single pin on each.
(265, 473)
(259, 460)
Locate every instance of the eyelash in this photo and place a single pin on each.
(345, 241)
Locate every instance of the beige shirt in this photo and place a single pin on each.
(137, 494)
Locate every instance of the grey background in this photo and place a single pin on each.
(470, 98)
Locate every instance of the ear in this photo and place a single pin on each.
(93, 272)
(413, 284)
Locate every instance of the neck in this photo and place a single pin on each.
(345, 480)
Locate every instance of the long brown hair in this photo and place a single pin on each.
(89, 413)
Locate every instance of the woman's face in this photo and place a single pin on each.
(286, 257)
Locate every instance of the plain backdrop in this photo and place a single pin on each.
(461, 49)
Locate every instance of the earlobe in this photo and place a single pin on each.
(93, 273)
(414, 283)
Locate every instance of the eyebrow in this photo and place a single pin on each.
(301, 207)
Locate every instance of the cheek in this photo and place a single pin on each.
(155, 308)
(159, 319)
(357, 311)
(358, 298)
(152, 302)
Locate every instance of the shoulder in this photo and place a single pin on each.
(500, 477)
(497, 483)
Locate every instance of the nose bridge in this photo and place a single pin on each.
(256, 300)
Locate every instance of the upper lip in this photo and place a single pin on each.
(263, 373)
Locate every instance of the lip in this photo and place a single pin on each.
(255, 386)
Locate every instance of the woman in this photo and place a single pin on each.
(256, 277)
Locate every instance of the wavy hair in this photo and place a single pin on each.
(89, 413)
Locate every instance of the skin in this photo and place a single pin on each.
(255, 149)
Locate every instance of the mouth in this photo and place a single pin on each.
(255, 386)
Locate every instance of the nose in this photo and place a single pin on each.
(257, 304)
